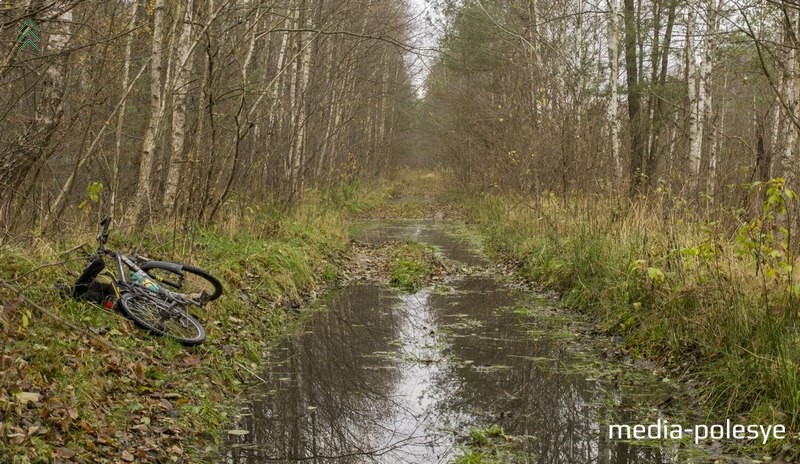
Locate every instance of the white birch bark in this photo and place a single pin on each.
(775, 129)
(126, 75)
(51, 108)
(288, 160)
(143, 190)
(714, 148)
(612, 112)
(304, 68)
(788, 158)
(276, 86)
(179, 94)
(706, 81)
(383, 105)
(60, 33)
(330, 125)
(693, 91)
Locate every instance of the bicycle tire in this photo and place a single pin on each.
(174, 276)
(157, 316)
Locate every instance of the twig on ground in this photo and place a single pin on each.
(250, 372)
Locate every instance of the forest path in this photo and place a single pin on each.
(471, 361)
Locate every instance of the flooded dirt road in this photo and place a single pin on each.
(380, 376)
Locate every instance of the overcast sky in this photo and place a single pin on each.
(425, 36)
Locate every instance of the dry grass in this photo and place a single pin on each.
(678, 288)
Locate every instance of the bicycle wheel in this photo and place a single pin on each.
(184, 279)
(161, 317)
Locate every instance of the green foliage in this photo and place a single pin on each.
(93, 191)
(767, 238)
(488, 445)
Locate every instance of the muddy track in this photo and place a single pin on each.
(388, 376)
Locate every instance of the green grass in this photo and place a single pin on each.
(267, 261)
(678, 289)
(410, 265)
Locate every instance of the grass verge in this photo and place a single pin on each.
(67, 397)
(714, 300)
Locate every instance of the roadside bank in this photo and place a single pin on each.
(108, 391)
(709, 302)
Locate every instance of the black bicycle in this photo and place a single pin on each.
(156, 295)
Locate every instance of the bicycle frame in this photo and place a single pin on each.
(122, 260)
(153, 308)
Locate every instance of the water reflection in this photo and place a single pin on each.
(382, 377)
(327, 391)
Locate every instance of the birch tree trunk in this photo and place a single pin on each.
(656, 123)
(242, 118)
(143, 190)
(17, 161)
(612, 113)
(694, 87)
(333, 116)
(634, 96)
(714, 142)
(706, 80)
(788, 158)
(297, 151)
(177, 159)
(534, 55)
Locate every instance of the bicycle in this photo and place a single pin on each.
(151, 306)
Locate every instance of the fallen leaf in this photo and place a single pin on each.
(166, 404)
(191, 360)
(65, 453)
(126, 456)
(138, 369)
(27, 397)
(238, 432)
(85, 426)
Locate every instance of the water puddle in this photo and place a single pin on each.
(382, 377)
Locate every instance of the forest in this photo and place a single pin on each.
(638, 158)
(175, 110)
(159, 110)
